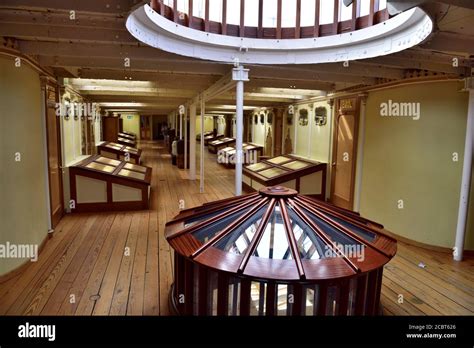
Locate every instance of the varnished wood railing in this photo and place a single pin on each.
(278, 32)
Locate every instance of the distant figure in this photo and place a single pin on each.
(214, 133)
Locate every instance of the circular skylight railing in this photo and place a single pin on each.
(277, 31)
(277, 253)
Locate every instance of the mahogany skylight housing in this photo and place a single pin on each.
(275, 252)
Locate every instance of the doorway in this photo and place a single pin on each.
(54, 156)
(145, 128)
(346, 124)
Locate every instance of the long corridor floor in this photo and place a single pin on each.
(120, 263)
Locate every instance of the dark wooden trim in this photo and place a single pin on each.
(360, 297)
(260, 19)
(222, 294)
(155, 5)
(162, 8)
(355, 5)
(279, 14)
(298, 20)
(175, 11)
(206, 16)
(188, 287)
(371, 13)
(242, 19)
(370, 308)
(224, 17)
(343, 300)
(190, 13)
(335, 23)
(297, 307)
(316, 18)
(323, 298)
(203, 290)
(245, 289)
(271, 300)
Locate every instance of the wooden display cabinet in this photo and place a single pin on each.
(227, 155)
(119, 152)
(127, 142)
(215, 145)
(307, 177)
(103, 184)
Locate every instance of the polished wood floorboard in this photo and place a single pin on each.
(120, 263)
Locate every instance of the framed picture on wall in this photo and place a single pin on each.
(255, 118)
(262, 118)
(270, 118)
(320, 115)
(303, 117)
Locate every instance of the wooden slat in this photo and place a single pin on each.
(224, 17)
(206, 16)
(260, 19)
(279, 14)
(316, 18)
(298, 20)
(242, 19)
(335, 22)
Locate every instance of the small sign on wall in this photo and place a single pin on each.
(129, 117)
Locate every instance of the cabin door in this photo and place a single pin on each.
(344, 152)
(54, 156)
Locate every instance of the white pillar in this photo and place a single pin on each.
(185, 138)
(181, 114)
(360, 152)
(330, 124)
(466, 175)
(240, 75)
(201, 184)
(192, 139)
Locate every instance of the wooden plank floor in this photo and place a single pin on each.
(120, 263)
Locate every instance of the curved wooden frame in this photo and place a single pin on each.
(298, 32)
(356, 282)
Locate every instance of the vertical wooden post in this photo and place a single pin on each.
(355, 5)
(260, 19)
(162, 8)
(175, 11)
(278, 28)
(190, 13)
(206, 17)
(371, 13)
(316, 18)
(242, 18)
(298, 20)
(335, 24)
(224, 17)
(155, 5)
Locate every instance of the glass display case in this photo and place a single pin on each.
(127, 135)
(120, 152)
(251, 154)
(198, 136)
(101, 183)
(211, 137)
(275, 252)
(216, 145)
(307, 177)
(127, 142)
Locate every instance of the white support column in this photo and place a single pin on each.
(360, 152)
(203, 111)
(466, 175)
(185, 138)
(181, 116)
(331, 143)
(192, 139)
(240, 75)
